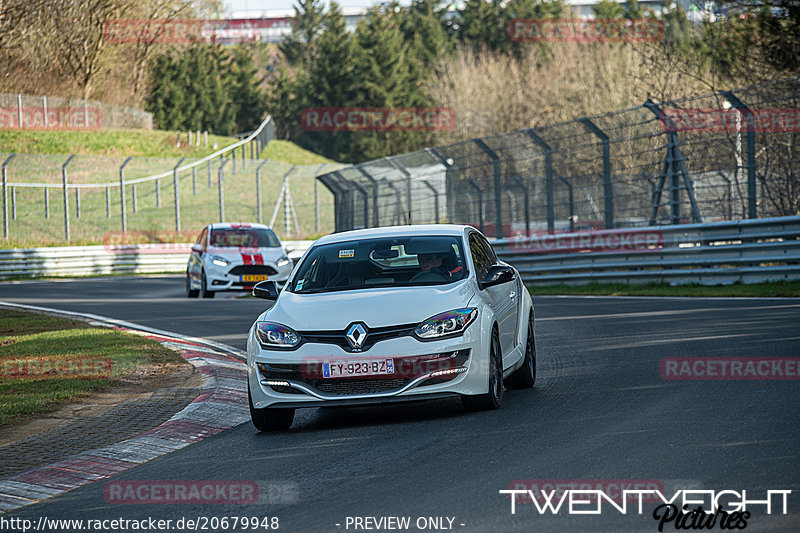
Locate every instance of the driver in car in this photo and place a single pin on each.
(432, 262)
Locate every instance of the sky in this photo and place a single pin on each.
(269, 5)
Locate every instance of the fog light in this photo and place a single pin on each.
(275, 383)
(448, 372)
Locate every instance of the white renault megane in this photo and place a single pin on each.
(391, 314)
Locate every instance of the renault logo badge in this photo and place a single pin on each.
(356, 335)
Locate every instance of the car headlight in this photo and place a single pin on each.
(282, 261)
(445, 324)
(220, 261)
(272, 335)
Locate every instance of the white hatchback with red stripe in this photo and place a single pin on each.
(234, 257)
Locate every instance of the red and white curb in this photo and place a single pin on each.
(221, 404)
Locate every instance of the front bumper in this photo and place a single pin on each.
(423, 370)
(234, 277)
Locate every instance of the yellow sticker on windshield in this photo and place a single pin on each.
(346, 253)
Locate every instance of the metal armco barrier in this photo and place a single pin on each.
(106, 259)
(749, 251)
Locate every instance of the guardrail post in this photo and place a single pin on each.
(571, 203)
(608, 187)
(123, 215)
(480, 201)
(316, 197)
(66, 195)
(5, 194)
(258, 188)
(548, 175)
(435, 200)
(498, 195)
(177, 194)
(407, 175)
(220, 176)
(376, 220)
(526, 204)
(750, 143)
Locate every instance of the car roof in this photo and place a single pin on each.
(454, 230)
(237, 225)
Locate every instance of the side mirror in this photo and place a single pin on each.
(498, 274)
(268, 290)
(197, 248)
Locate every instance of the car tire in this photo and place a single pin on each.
(525, 376)
(204, 292)
(494, 398)
(270, 419)
(190, 292)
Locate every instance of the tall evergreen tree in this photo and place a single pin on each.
(245, 91)
(484, 24)
(299, 47)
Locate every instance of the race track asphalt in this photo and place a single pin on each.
(601, 412)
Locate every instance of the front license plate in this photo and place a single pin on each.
(254, 277)
(363, 367)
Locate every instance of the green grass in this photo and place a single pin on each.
(38, 342)
(774, 289)
(289, 152)
(119, 142)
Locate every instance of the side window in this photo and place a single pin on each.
(480, 256)
(201, 240)
(489, 250)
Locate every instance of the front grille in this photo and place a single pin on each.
(252, 269)
(351, 387)
(374, 335)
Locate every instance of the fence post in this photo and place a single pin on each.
(158, 193)
(244, 157)
(5, 194)
(548, 175)
(258, 189)
(14, 203)
(209, 172)
(133, 192)
(480, 201)
(19, 109)
(122, 195)
(375, 196)
(108, 201)
(365, 197)
(44, 107)
(407, 175)
(85, 114)
(435, 200)
(571, 203)
(750, 143)
(220, 176)
(77, 201)
(498, 195)
(448, 181)
(608, 188)
(66, 196)
(46, 202)
(526, 204)
(177, 194)
(316, 197)
(194, 181)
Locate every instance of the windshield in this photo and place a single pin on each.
(388, 262)
(244, 238)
